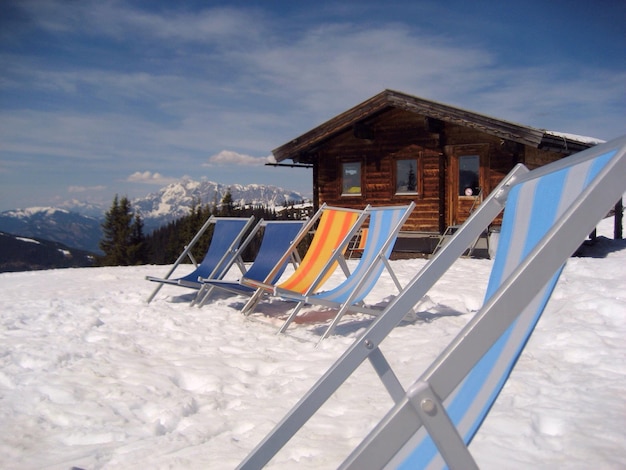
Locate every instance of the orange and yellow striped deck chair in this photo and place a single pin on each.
(337, 226)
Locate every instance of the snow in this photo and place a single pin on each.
(91, 376)
(580, 138)
(30, 211)
(28, 240)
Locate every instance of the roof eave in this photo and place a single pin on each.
(525, 135)
(330, 128)
(562, 144)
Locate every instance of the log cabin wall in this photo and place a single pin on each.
(395, 134)
(398, 134)
(534, 158)
(395, 148)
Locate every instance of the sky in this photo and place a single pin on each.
(106, 97)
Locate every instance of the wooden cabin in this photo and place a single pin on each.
(395, 148)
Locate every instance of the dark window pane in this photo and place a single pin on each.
(351, 178)
(406, 176)
(469, 167)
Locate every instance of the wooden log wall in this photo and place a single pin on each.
(394, 134)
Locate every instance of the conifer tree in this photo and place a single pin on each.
(227, 205)
(123, 241)
(411, 180)
(137, 246)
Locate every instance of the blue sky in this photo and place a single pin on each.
(105, 97)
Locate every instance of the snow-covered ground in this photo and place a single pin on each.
(91, 376)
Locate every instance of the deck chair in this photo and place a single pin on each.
(278, 238)
(549, 212)
(337, 226)
(384, 225)
(224, 251)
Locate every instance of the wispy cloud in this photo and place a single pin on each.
(121, 21)
(228, 157)
(148, 177)
(194, 97)
(84, 189)
(117, 87)
(337, 63)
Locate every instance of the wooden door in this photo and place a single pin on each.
(468, 167)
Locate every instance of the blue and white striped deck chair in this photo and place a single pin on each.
(549, 212)
(223, 252)
(384, 225)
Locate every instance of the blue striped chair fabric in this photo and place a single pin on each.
(548, 213)
(384, 225)
(532, 209)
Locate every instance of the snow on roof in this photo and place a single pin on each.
(578, 138)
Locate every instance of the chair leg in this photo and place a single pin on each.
(291, 317)
(202, 297)
(331, 328)
(199, 294)
(154, 293)
(251, 303)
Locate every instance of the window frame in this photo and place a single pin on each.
(418, 177)
(418, 157)
(342, 170)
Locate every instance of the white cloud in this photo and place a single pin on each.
(198, 81)
(241, 94)
(335, 64)
(84, 189)
(121, 21)
(213, 24)
(148, 177)
(229, 157)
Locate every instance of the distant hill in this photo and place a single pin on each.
(27, 254)
(78, 224)
(59, 225)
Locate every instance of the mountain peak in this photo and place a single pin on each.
(34, 211)
(79, 224)
(176, 199)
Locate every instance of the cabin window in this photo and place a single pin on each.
(351, 179)
(469, 173)
(406, 176)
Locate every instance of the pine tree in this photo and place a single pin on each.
(227, 205)
(123, 241)
(411, 184)
(137, 247)
(166, 243)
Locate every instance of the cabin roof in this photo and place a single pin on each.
(297, 148)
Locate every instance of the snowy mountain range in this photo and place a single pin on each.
(78, 224)
(175, 200)
(59, 225)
